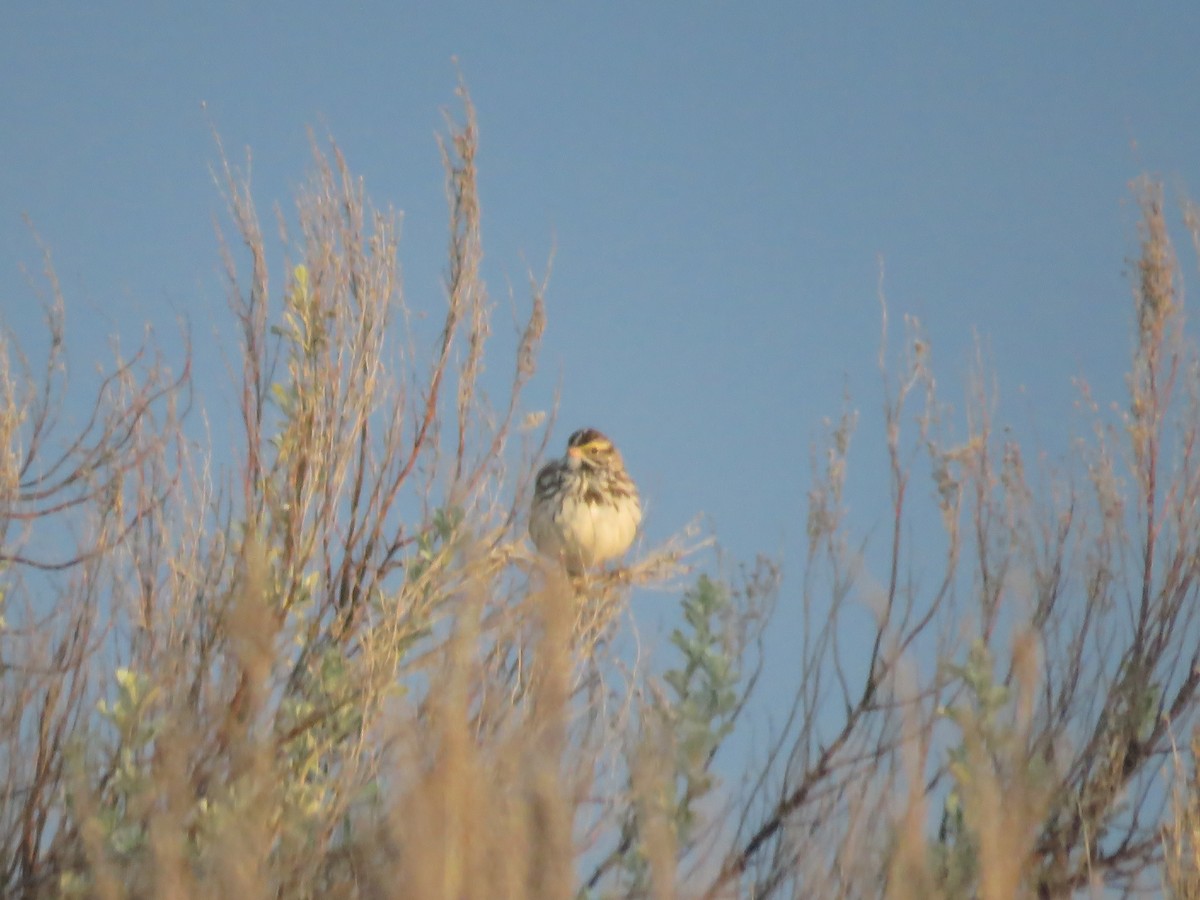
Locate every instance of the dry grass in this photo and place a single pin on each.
(1181, 831)
(335, 670)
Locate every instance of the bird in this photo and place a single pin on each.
(585, 508)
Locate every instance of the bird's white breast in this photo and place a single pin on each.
(587, 534)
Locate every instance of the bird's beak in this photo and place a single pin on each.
(574, 452)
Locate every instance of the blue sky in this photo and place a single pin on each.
(719, 182)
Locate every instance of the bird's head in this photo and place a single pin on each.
(588, 447)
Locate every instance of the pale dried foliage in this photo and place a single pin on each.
(1181, 832)
(1048, 774)
(336, 670)
(339, 672)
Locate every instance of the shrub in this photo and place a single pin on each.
(335, 669)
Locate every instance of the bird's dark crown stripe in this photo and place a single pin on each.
(584, 436)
